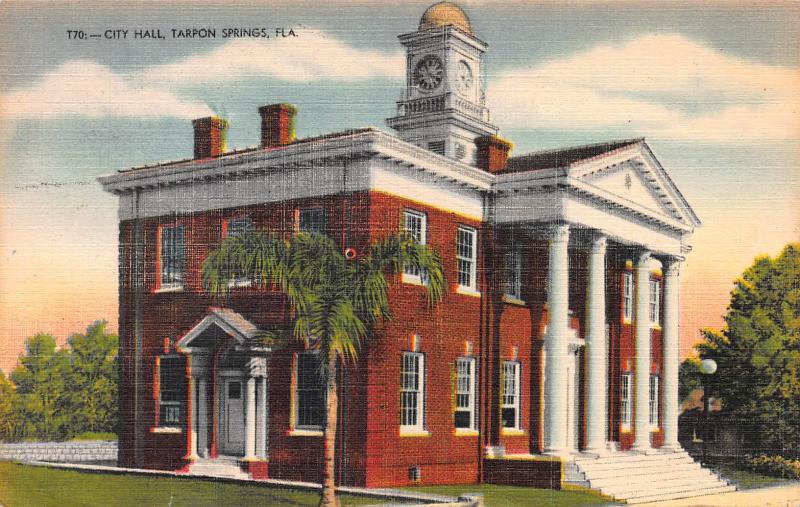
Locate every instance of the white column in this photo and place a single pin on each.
(597, 355)
(642, 346)
(671, 340)
(193, 417)
(202, 418)
(261, 417)
(250, 421)
(555, 394)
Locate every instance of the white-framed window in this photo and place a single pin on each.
(312, 220)
(238, 227)
(625, 401)
(172, 257)
(309, 394)
(627, 295)
(512, 273)
(415, 224)
(655, 301)
(511, 395)
(465, 416)
(412, 392)
(171, 390)
(466, 257)
(654, 401)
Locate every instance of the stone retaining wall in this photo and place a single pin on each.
(62, 452)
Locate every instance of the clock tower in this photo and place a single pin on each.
(443, 107)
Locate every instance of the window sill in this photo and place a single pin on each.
(512, 432)
(626, 322)
(411, 279)
(169, 430)
(240, 284)
(655, 429)
(168, 288)
(507, 298)
(305, 433)
(655, 327)
(464, 432)
(467, 291)
(625, 429)
(414, 433)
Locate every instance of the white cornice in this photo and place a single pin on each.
(362, 144)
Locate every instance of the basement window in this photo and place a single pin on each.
(415, 474)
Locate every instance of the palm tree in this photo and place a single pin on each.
(334, 300)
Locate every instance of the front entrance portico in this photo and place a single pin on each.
(227, 390)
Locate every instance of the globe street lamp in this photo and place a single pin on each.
(707, 367)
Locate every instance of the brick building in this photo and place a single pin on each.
(558, 334)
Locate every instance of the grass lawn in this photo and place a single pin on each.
(745, 479)
(503, 496)
(22, 486)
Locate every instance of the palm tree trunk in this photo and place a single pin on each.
(328, 498)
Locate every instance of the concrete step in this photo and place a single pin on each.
(665, 487)
(632, 461)
(681, 494)
(218, 468)
(642, 472)
(648, 479)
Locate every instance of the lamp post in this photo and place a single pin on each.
(707, 367)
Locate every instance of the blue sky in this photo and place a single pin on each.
(713, 87)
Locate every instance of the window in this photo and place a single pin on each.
(655, 301)
(465, 393)
(436, 147)
(415, 224)
(172, 259)
(627, 296)
(625, 406)
(171, 394)
(466, 257)
(412, 393)
(654, 401)
(510, 406)
(309, 392)
(238, 227)
(312, 220)
(512, 279)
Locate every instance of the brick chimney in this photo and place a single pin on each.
(209, 136)
(492, 153)
(277, 125)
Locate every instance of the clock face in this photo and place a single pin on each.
(464, 77)
(429, 73)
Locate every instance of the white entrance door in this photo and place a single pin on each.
(232, 417)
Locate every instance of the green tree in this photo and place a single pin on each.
(92, 386)
(40, 380)
(8, 403)
(758, 353)
(334, 301)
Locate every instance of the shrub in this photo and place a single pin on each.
(94, 435)
(774, 466)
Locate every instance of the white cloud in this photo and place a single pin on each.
(86, 88)
(312, 55)
(89, 89)
(658, 85)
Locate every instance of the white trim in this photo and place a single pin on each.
(626, 402)
(172, 430)
(307, 429)
(470, 393)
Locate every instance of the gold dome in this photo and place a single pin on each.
(443, 14)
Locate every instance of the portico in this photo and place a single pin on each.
(227, 390)
(616, 216)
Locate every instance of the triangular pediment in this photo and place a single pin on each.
(633, 177)
(626, 181)
(219, 324)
